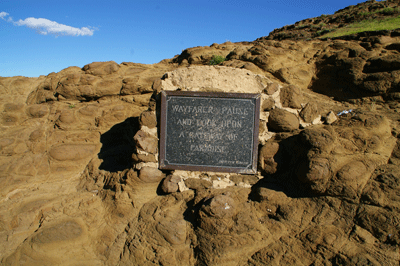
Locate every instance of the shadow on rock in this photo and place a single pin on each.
(279, 159)
(118, 146)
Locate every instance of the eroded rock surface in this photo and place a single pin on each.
(79, 161)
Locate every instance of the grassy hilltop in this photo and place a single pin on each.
(367, 16)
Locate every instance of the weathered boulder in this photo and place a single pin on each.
(318, 138)
(309, 113)
(148, 119)
(291, 97)
(280, 120)
(150, 174)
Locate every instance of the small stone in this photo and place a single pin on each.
(271, 88)
(309, 113)
(330, 118)
(150, 174)
(170, 184)
(146, 142)
(148, 158)
(280, 120)
(148, 119)
(268, 104)
(197, 184)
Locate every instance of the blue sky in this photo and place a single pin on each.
(42, 36)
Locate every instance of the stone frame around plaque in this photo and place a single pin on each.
(246, 163)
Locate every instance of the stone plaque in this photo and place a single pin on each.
(209, 131)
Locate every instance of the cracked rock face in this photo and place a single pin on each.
(79, 162)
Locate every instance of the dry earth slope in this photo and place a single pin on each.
(79, 150)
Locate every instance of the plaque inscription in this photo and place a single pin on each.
(209, 131)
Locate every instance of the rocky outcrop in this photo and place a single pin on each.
(78, 163)
(316, 27)
(79, 154)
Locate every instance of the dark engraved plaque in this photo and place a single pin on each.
(209, 131)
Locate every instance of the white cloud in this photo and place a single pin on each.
(3, 15)
(45, 26)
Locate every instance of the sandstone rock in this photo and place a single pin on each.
(318, 138)
(72, 152)
(197, 184)
(268, 104)
(348, 195)
(101, 68)
(64, 231)
(272, 196)
(350, 178)
(148, 119)
(133, 85)
(215, 78)
(252, 67)
(266, 157)
(146, 142)
(137, 158)
(309, 113)
(84, 86)
(170, 184)
(301, 75)
(221, 207)
(6, 142)
(280, 120)
(157, 85)
(38, 110)
(271, 88)
(291, 97)
(380, 222)
(9, 120)
(90, 110)
(150, 175)
(330, 118)
(35, 135)
(67, 117)
(142, 99)
(352, 171)
(12, 107)
(173, 231)
(316, 172)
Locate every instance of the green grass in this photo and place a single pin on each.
(365, 25)
(389, 11)
(384, 11)
(217, 59)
